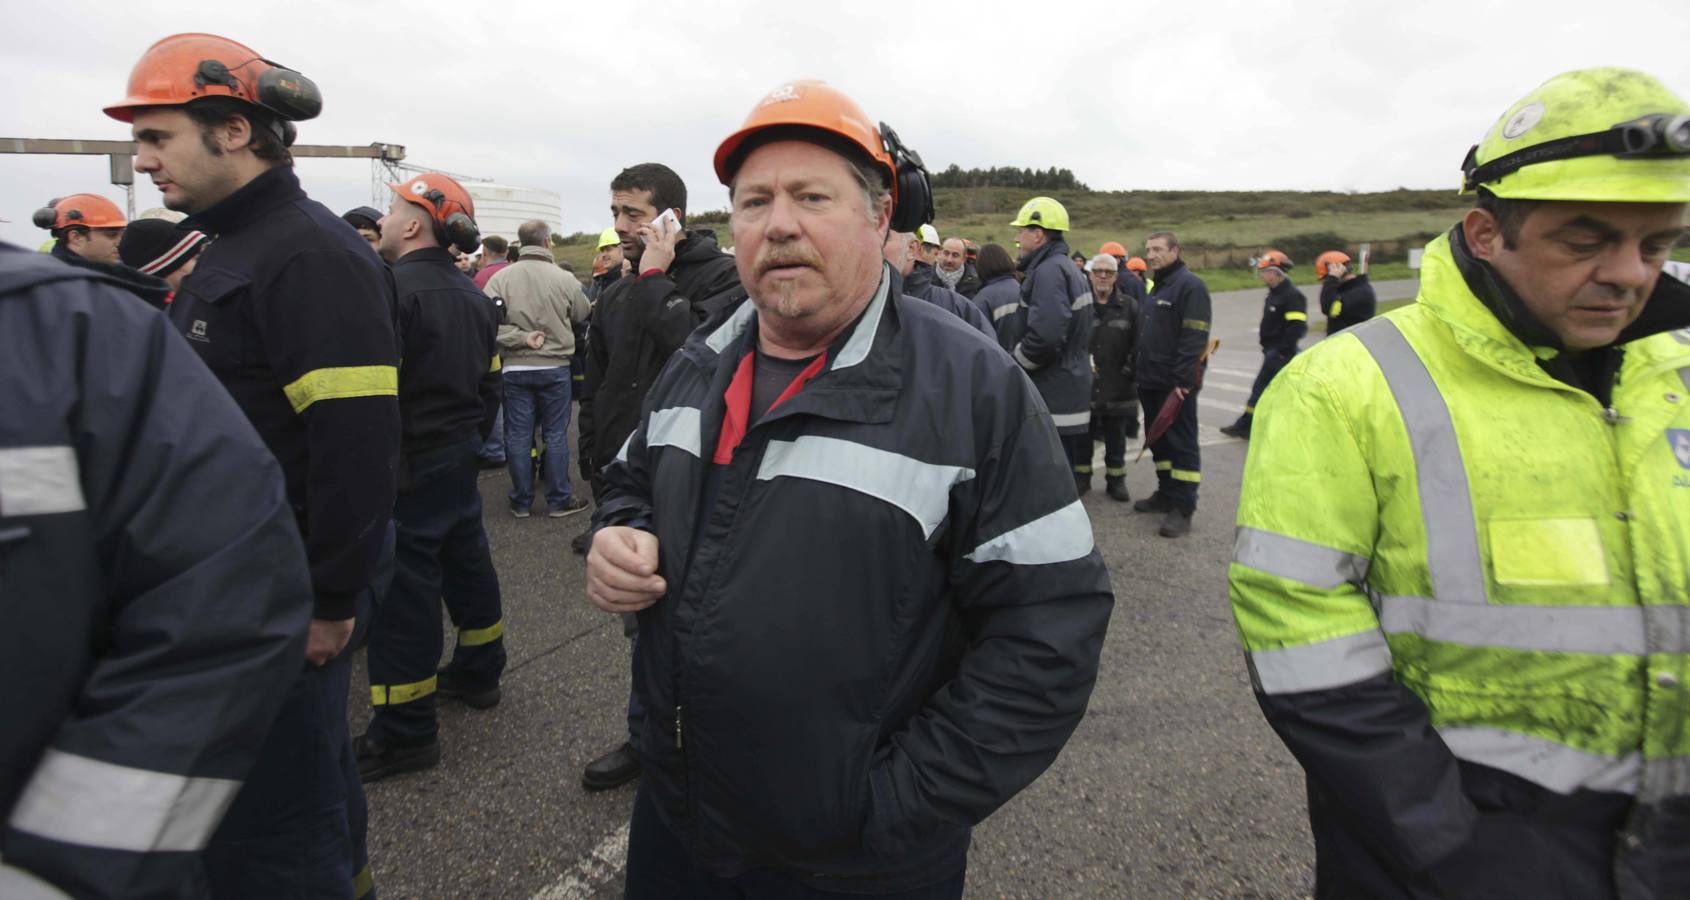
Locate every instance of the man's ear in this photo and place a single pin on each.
(1483, 232)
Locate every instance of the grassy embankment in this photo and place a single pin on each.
(1220, 230)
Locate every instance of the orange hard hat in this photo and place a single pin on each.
(1137, 265)
(1273, 259)
(818, 107)
(1325, 260)
(186, 67)
(1112, 249)
(440, 195)
(447, 203)
(83, 210)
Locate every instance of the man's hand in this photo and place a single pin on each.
(535, 340)
(659, 248)
(327, 638)
(622, 570)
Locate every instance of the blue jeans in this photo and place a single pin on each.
(538, 396)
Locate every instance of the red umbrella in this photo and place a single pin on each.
(1170, 407)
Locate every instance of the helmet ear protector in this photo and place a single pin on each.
(915, 194)
(48, 216)
(290, 96)
(459, 229)
(1647, 137)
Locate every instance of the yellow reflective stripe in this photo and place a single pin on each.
(1185, 475)
(1115, 470)
(1337, 309)
(1164, 466)
(475, 637)
(1195, 324)
(386, 694)
(363, 883)
(1250, 409)
(495, 365)
(1082, 470)
(1296, 317)
(341, 382)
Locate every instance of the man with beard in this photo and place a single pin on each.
(678, 277)
(1173, 334)
(955, 270)
(917, 280)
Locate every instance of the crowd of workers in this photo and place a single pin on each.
(1468, 622)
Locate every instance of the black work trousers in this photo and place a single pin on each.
(1273, 359)
(659, 868)
(442, 555)
(1111, 429)
(1179, 462)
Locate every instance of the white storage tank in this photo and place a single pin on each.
(500, 208)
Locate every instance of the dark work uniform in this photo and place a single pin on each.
(1285, 319)
(295, 315)
(1173, 333)
(1353, 302)
(1114, 400)
(449, 388)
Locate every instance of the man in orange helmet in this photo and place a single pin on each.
(449, 391)
(835, 483)
(85, 226)
(87, 230)
(294, 314)
(1285, 319)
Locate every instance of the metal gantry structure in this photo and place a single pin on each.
(387, 161)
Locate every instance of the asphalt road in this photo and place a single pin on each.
(1173, 786)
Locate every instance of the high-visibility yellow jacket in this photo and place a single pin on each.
(1464, 590)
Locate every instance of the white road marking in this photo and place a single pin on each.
(594, 871)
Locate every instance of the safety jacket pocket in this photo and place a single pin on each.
(1554, 552)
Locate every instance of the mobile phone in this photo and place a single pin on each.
(666, 223)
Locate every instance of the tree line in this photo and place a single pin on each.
(1051, 179)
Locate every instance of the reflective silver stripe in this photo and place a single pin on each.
(1446, 505)
(1684, 376)
(1069, 420)
(862, 340)
(921, 489)
(732, 328)
(1667, 629)
(1058, 537)
(1321, 666)
(39, 481)
(1555, 766)
(1021, 358)
(19, 884)
(91, 803)
(622, 454)
(1297, 560)
(1081, 302)
(676, 427)
(1004, 310)
(1608, 630)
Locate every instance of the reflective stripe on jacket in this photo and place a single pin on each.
(154, 592)
(1054, 328)
(1495, 542)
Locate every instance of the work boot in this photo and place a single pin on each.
(1156, 502)
(614, 769)
(1082, 484)
(451, 686)
(1237, 430)
(377, 761)
(575, 505)
(1117, 487)
(1175, 524)
(583, 542)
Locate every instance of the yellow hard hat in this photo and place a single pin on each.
(1596, 135)
(927, 234)
(609, 238)
(1044, 213)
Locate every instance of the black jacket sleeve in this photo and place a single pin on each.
(1049, 307)
(1195, 311)
(1035, 602)
(328, 321)
(208, 598)
(492, 385)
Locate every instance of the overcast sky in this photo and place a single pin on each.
(1233, 95)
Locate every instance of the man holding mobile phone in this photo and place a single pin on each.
(681, 276)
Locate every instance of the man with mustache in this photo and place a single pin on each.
(1473, 628)
(870, 607)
